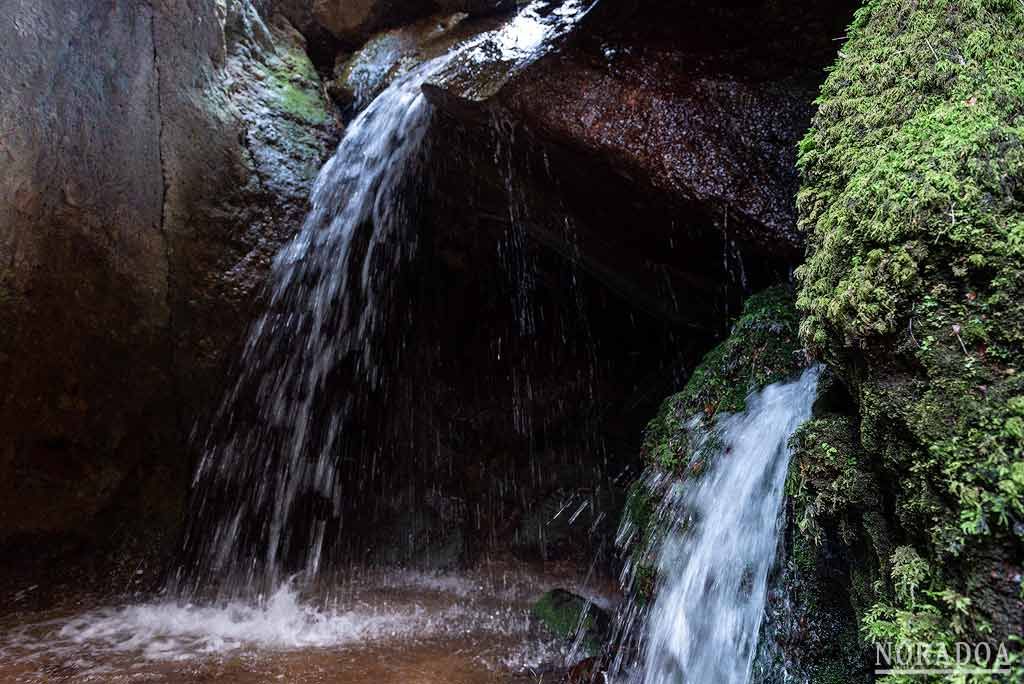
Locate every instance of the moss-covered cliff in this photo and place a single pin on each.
(762, 348)
(913, 292)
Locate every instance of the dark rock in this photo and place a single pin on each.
(353, 21)
(157, 155)
(686, 123)
(572, 617)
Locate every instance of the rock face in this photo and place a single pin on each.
(913, 292)
(362, 75)
(156, 155)
(353, 21)
(688, 142)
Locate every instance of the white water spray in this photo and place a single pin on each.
(720, 534)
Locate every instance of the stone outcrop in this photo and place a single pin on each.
(156, 154)
(673, 151)
(360, 76)
(912, 291)
(351, 23)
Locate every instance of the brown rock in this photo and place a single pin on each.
(685, 118)
(354, 21)
(158, 155)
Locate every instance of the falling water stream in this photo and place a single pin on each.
(324, 310)
(280, 432)
(716, 542)
(244, 604)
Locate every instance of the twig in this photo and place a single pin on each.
(956, 331)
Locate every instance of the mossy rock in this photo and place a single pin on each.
(913, 202)
(762, 348)
(295, 83)
(828, 476)
(565, 615)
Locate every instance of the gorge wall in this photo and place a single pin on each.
(157, 154)
(589, 226)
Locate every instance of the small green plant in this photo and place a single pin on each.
(909, 572)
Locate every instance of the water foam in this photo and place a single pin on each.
(171, 630)
(401, 610)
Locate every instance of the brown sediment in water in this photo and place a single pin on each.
(451, 661)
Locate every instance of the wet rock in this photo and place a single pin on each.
(157, 156)
(572, 617)
(686, 121)
(83, 261)
(553, 526)
(353, 21)
(583, 671)
(362, 75)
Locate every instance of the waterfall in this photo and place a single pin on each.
(715, 535)
(267, 492)
(276, 436)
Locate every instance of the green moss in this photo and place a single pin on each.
(827, 476)
(819, 632)
(841, 662)
(761, 349)
(559, 611)
(296, 85)
(569, 616)
(640, 513)
(804, 554)
(639, 509)
(913, 288)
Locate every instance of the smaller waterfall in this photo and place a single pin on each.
(715, 542)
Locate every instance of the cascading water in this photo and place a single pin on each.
(267, 492)
(325, 310)
(715, 542)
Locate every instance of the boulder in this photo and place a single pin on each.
(156, 156)
(360, 76)
(353, 21)
(686, 121)
(571, 617)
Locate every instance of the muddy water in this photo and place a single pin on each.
(397, 627)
